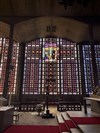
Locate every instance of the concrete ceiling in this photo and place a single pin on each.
(47, 8)
(65, 28)
(31, 18)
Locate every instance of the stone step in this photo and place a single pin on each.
(75, 130)
(60, 118)
(65, 132)
(65, 116)
(68, 121)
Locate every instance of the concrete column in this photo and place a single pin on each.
(20, 72)
(82, 70)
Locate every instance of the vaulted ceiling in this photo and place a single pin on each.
(32, 17)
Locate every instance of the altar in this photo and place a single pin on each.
(6, 117)
(95, 104)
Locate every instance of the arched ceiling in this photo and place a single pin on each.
(4, 29)
(65, 28)
(32, 17)
(72, 29)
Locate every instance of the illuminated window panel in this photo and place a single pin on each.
(32, 68)
(50, 66)
(88, 69)
(70, 68)
(13, 74)
(52, 63)
(97, 56)
(4, 44)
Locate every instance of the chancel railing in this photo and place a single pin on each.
(27, 106)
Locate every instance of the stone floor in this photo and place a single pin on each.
(32, 118)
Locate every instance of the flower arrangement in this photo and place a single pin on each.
(39, 108)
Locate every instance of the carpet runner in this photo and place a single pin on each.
(70, 124)
(86, 120)
(32, 129)
(63, 127)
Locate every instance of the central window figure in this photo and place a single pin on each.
(50, 52)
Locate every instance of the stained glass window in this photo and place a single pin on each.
(88, 69)
(32, 68)
(13, 68)
(97, 56)
(4, 44)
(70, 68)
(50, 65)
(51, 62)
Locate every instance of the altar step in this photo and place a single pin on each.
(75, 130)
(62, 126)
(66, 125)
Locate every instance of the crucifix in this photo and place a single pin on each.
(47, 114)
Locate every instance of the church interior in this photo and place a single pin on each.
(50, 66)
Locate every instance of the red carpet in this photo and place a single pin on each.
(70, 124)
(86, 120)
(32, 129)
(63, 127)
